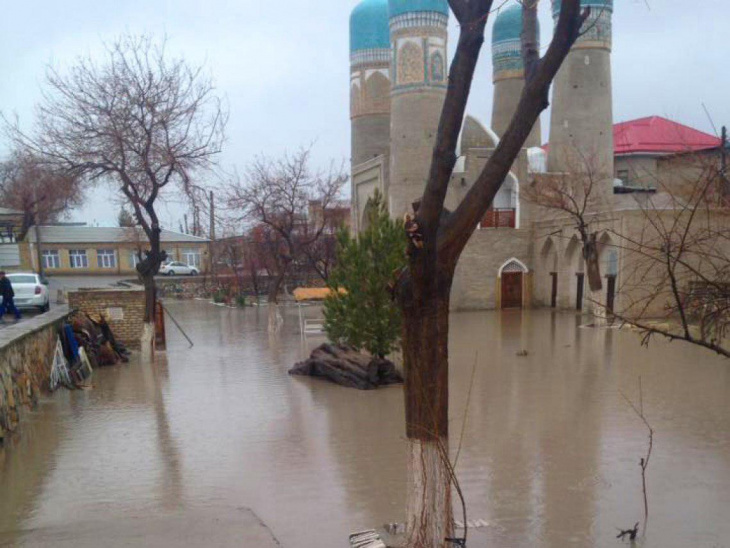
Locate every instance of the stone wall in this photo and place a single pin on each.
(186, 288)
(123, 309)
(26, 358)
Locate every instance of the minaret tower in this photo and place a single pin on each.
(369, 80)
(419, 79)
(509, 71)
(581, 125)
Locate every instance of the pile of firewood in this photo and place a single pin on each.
(347, 366)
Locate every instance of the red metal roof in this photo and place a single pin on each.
(657, 135)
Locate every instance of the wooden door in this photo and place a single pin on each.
(610, 293)
(512, 290)
(580, 279)
(554, 292)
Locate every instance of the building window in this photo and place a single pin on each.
(191, 257)
(78, 258)
(623, 174)
(51, 258)
(134, 259)
(106, 258)
(612, 263)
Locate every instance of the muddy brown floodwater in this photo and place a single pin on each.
(549, 455)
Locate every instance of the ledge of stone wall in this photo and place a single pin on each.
(26, 358)
(12, 333)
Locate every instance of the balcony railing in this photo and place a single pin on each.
(499, 218)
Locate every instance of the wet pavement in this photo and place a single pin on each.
(67, 283)
(549, 455)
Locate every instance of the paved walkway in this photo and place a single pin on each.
(11, 330)
(237, 527)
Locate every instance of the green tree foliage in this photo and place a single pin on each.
(365, 315)
(125, 219)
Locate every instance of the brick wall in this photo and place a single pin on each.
(26, 357)
(123, 309)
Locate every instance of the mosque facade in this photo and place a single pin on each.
(519, 256)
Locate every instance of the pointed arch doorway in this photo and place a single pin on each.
(512, 282)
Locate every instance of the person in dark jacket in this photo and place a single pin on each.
(7, 293)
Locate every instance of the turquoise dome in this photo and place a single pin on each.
(369, 26)
(399, 7)
(594, 4)
(507, 41)
(508, 24)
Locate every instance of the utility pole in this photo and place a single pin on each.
(211, 253)
(723, 151)
(723, 162)
(185, 216)
(36, 220)
(38, 250)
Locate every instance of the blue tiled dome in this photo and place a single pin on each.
(369, 26)
(594, 4)
(399, 7)
(506, 40)
(508, 24)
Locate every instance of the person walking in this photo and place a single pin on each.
(7, 293)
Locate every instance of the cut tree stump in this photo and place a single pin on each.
(346, 366)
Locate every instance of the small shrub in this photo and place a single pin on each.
(219, 296)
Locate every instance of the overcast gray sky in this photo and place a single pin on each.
(283, 66)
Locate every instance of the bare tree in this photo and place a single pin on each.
(138, 119)
(676, 266)
(437, 239)
(578, 196)
(40, 190)
(321, 256)
(276, 195)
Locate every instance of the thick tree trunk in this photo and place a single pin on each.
(147, 345)
(594, 307)
(275, 287)
(275, 319)
(147, 269)
(437, 239)
(425, 352)
(593, 304)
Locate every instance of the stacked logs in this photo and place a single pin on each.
(348, 367)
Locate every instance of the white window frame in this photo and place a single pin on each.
(106, 258)
(134, 259)
(195, 254)
(78, 258)
(51, 258)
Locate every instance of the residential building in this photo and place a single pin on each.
(10, 222)
(104, 250)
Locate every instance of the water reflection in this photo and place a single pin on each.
(549, 452)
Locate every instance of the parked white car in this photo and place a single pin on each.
(31, 291)
(175, 268)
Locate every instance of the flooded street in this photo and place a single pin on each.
(550, 453)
